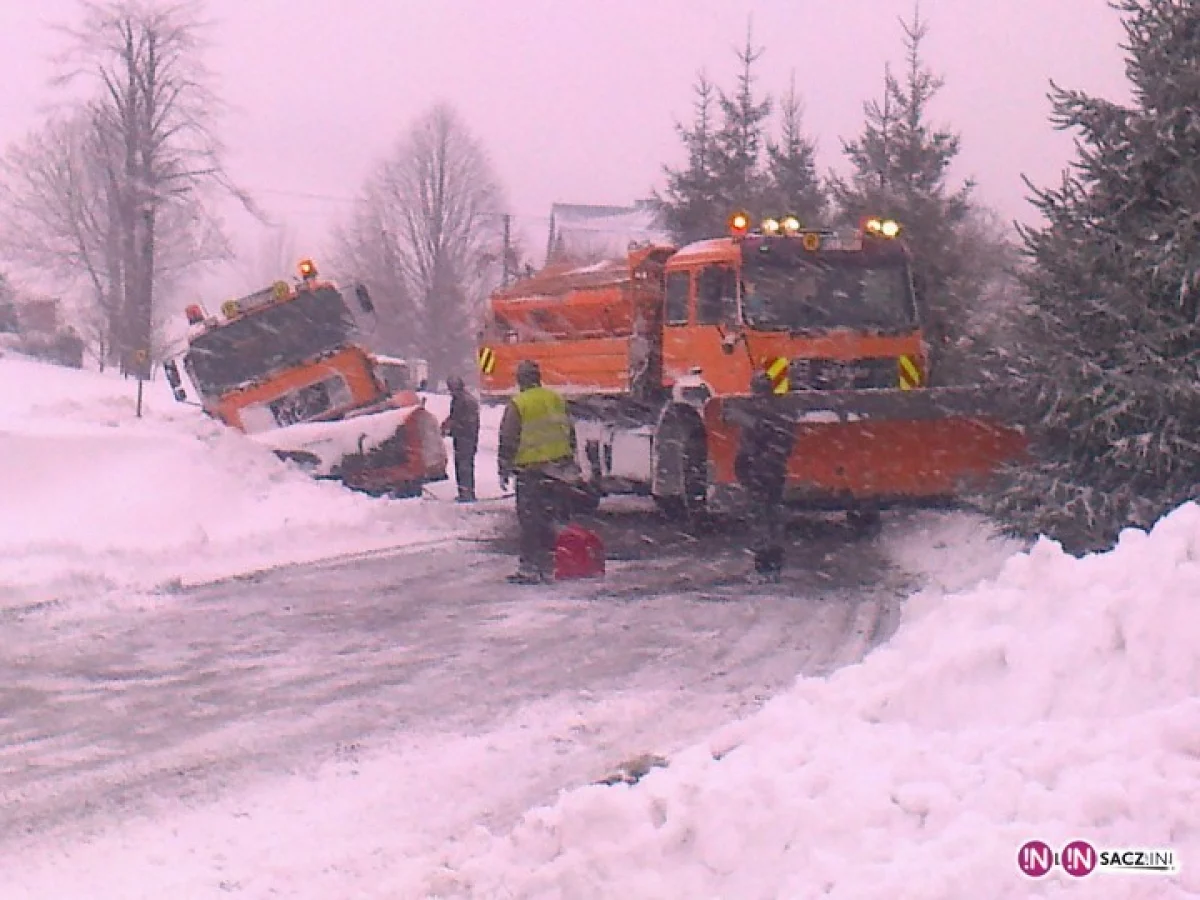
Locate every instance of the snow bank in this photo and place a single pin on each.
(331, 442)
(1059, 701)
(96, 498)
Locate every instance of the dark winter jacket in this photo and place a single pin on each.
(463, 422)
(766, 444)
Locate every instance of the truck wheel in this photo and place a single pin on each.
(683, 468)
(585, 500)
(864, 523)
(673, 508)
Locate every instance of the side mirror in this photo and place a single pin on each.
(171, 370)
(423, 384)
(364, 299)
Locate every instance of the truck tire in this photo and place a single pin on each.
(864, 523)
(584, 500)
(685, 498)
(690, 508)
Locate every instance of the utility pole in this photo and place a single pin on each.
(507, 252)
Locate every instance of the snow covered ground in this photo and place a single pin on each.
(1027, 695)
(1059, 701)
(99, 503)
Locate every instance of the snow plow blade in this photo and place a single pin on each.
(394, 450)
(877, 447)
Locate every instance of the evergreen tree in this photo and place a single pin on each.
(900, 165)
(795, 187)
(691, 206)
(871, 189)
(725, 170)
(1111, 355)
(740, 142)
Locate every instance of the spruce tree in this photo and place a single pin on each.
(795, 187)
(691, 206)
(741, 140)
(900, 169)
(1110, 359)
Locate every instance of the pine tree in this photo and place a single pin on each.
(900, 169)
(691, 206)
(740, 142)
(1111, 355)
(795, 187)
(871, 189)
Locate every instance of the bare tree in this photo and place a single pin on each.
(56, 218)
(274, 257)
(59, 222)
(367, 249)
(152, 127)
(430, 219)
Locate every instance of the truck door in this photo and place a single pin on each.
(677, 315)
(695, 339)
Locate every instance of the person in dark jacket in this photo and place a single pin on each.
(462, 426)
(766, 444)
(537, 446)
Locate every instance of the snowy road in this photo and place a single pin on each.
(203, 693)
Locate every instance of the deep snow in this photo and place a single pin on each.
(1039, 697)
(1060, 700)
(98, 502)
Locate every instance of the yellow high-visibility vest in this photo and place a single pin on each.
(545, 427)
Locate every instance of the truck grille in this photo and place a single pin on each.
(302, 405)
(842, 375)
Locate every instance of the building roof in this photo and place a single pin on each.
(594, 231)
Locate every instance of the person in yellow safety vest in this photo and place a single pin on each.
(537, 446)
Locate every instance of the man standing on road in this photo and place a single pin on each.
(537, 445)
(462, 426)
(761, 466)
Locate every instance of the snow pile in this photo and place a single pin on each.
(1060, 701)
(948, 551)
(331, 442)
(96, 498)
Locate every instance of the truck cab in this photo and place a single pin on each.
(282, 362)
(815, 309)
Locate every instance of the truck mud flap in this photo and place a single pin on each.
(877, 447)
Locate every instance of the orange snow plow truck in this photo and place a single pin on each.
(281, 365)
(655, 353)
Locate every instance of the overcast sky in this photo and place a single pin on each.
(575, 101)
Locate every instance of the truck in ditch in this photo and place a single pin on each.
(282, 365)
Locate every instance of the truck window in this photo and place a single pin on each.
(716, 296)
(678, 284)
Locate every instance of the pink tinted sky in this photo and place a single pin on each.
(575, 101)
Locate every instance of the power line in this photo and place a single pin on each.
(522, 218)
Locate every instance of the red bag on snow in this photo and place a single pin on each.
(578, 553)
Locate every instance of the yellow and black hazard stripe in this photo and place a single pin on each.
(487, 360)
(910, 375)
(777, 371)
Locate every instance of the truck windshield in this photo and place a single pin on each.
(268, 340)
(820, 293)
